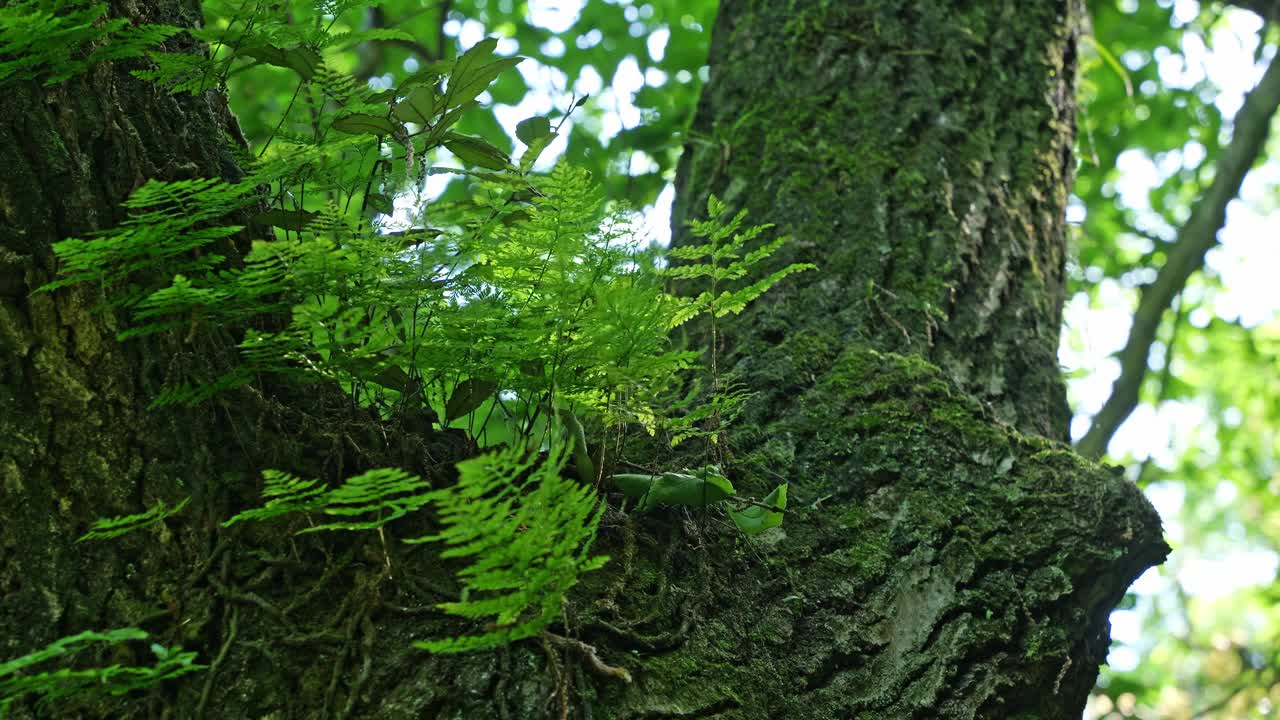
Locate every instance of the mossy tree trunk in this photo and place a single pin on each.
(76, 440)
(953, 558)
(946, 555)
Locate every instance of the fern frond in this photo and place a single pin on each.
(107, 528)
(20, 677)
(184, 72)
(55, 40)
(285, 494)
(347, 39)
(372, 499)
(382, 495)
(732, 303)
(528, 532)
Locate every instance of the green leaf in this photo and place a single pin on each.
(534, 151)
(697, 488)
(467, 396)
(633, 485)
(532, 129)
(285, 219)
(476, 151)
(704, 486)
(363, 123)
(754, 519)
(451, 118)
(428, 75)
(473, 71)
(419, 107)
(302, 60)
(392, 377)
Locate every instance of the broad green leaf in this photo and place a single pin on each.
(450, 119)
(699, 488)
(363, 123)
(419, 107)
(476, 151)
(302, 60)
(533, 129)
(467, 396)
(468, 89)
(534, 151)
(474, 70)
(475, 57)
(428, 75)
(633, 485)
(754, 519)
(704, 486)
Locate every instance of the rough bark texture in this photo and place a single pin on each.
(964, 561)
(947, 555)
(920, 153)
(76, 442)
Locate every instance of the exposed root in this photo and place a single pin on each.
(588, 654)
(232, 627)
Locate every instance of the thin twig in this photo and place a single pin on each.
(759, 504)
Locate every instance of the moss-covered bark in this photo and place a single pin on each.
(960, 561)
(939, 565)
(920, 153)
(76, 442)
(946, 556)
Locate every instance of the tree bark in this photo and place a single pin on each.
(946, 554)
(76, 440)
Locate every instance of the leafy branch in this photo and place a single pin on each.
(1185, 257)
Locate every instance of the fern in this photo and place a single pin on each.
(502, 314)
(528, 533)
(723, 257)
(21, 677)
(285, 494)
(108, 528)
(55, 40)
(371, 499)
(169, 223)
(184, 72)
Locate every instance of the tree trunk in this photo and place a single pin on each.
(946, 555)
(76, 440)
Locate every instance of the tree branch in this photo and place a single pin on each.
(371, 55)
(1186, 256)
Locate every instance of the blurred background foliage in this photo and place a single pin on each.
(641, 65)
(1160, 84)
